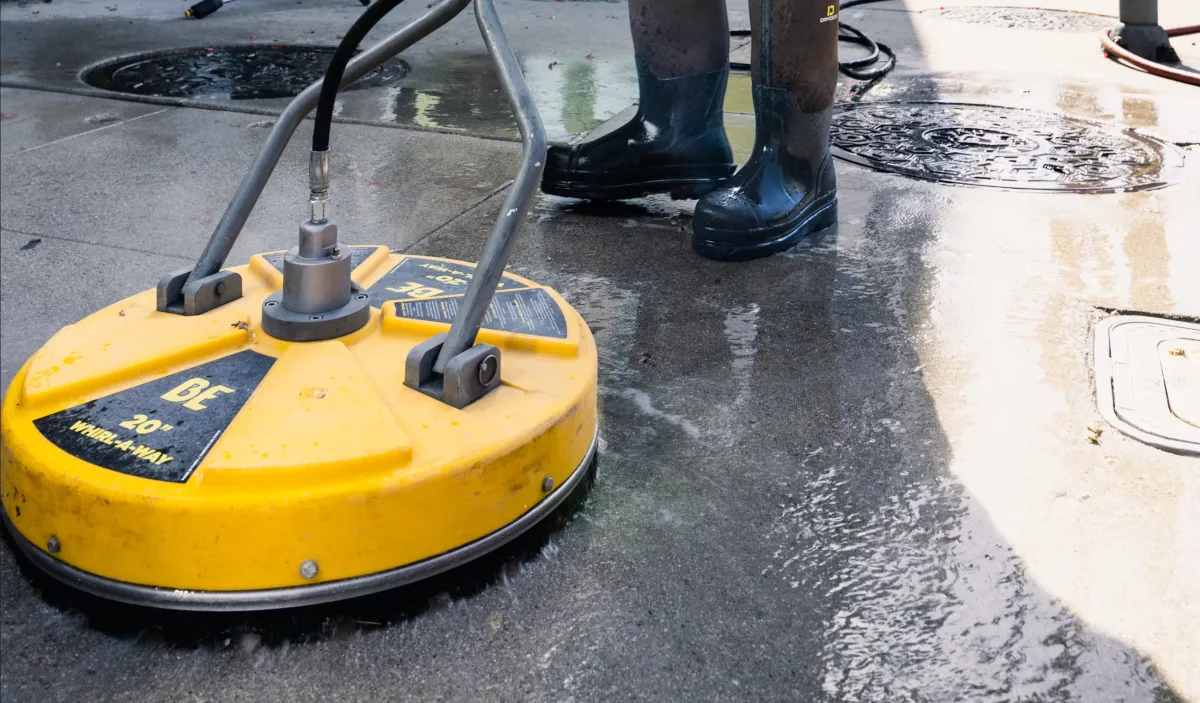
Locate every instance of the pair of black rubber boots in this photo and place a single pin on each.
(676, 144)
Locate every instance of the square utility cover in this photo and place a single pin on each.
(1148, 379)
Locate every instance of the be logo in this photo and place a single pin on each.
(830, 14)
(830, 10)
(193, 393)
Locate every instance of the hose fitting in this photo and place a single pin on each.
(318, 186)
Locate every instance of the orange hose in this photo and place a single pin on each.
(1157, 69)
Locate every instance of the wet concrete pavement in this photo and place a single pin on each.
(858, 471)
(451, 86)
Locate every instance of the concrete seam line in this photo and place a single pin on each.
(450, 221)
(241, 109)
(96, 244)
(90, 131)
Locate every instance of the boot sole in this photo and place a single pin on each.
(775, 239)
(690, 187)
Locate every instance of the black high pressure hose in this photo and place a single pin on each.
(855, 68)
(337, 66)
(851, 67)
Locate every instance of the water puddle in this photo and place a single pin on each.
(461, 92)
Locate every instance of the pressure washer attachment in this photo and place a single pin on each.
(318, 300)
(208, 445)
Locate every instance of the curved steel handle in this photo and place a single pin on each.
(512, 215)
(230, 226)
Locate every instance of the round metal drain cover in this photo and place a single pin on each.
(227, 73)
(1027, 18)
(1000, 147)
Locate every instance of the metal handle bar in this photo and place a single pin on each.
(227, 231)
(516, 205)
(490, 269)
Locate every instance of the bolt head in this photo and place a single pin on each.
(308, 569)
(487, 369)
(53, 545)
(219, 289)
(547, 484)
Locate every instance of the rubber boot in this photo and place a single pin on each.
(786, 190)
(674, 144)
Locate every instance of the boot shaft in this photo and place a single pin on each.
(798, 139)
(687, 104)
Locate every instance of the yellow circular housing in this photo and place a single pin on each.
(198, 463)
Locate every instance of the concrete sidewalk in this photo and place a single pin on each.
(858, 471)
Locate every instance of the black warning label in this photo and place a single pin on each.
(357, 256)
(418, 278)
(429, 289)
(525, 310)
(163, 429)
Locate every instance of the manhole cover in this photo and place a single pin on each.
(1027, 18)
(227, 73)
(1148, 379)
(1001, 147)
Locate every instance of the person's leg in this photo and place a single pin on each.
(803, 49)
(787, 190)
(676, 142)
(680, 37)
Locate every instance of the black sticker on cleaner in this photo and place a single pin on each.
(418, 278)
(163, 429)
(357, 256)
(527, 311)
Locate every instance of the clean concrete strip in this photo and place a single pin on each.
(90, 131)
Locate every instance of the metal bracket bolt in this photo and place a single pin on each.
(308, 569)
(177, 296)
(469, 376)
(487, 369)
